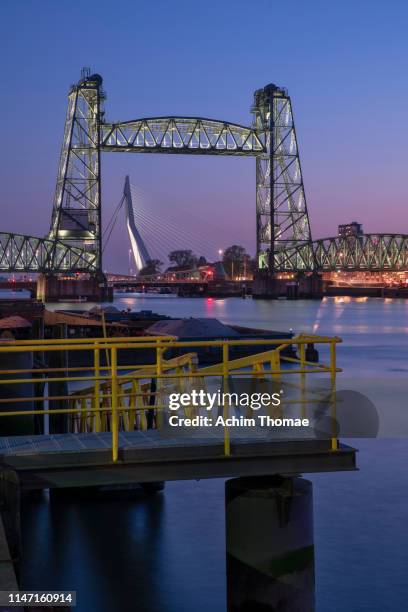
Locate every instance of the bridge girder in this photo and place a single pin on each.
(191, 135)
(367, 252)
(371, 252)
(20, 253)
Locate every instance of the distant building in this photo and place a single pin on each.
(350, 229)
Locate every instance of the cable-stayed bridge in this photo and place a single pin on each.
(153, 235)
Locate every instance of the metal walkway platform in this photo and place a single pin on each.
(72, 460)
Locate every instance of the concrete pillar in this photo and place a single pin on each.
(266, 287)
(270, 550)
(311, 286)
(302, 286)
(54, 288)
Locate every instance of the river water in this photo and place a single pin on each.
(166, 553)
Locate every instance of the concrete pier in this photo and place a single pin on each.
(270, 549)
(302, 286)
(56, 288)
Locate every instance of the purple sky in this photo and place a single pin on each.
(343, 62)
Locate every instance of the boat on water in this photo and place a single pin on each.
(112, 322)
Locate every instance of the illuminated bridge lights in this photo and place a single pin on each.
(180, 135)
(284, 240)
(19, 253)
(366, 279)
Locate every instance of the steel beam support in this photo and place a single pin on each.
(283, 228)
(19, 253)
(76, 216)
(187, 135)
(368, 252)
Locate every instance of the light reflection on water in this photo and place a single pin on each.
(167, 553)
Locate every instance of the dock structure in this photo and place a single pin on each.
(111, 424)
(73, 460)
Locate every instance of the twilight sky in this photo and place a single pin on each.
(344, 63)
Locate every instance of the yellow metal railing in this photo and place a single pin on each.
(125, 397)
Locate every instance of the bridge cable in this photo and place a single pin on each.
(111, 225)
(148, 222)
(196, 236)
(161, 236)
(166, 236)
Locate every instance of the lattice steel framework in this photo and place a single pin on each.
(76, 215)
(284, 240)
(181, 135)
(366, 252)
(371, 252)
(281, 209)
(20, 253)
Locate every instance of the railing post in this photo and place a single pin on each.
(302, 354)
(225, 372)
(114, 387)
(97, 399)
(333, 366)
(159, 372)
(275, 364)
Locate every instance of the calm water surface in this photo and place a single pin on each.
(167, 553)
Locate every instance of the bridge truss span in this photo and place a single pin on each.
(371, 252)
(366, 252)
(20, 253)
(181, 135)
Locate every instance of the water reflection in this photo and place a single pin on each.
(130, 552)
(167, 553)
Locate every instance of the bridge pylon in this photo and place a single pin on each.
(76, 215)
(284, 240)
(139, 250)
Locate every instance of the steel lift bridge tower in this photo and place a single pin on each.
(284, 242)
(283, 229)
(74, 240)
